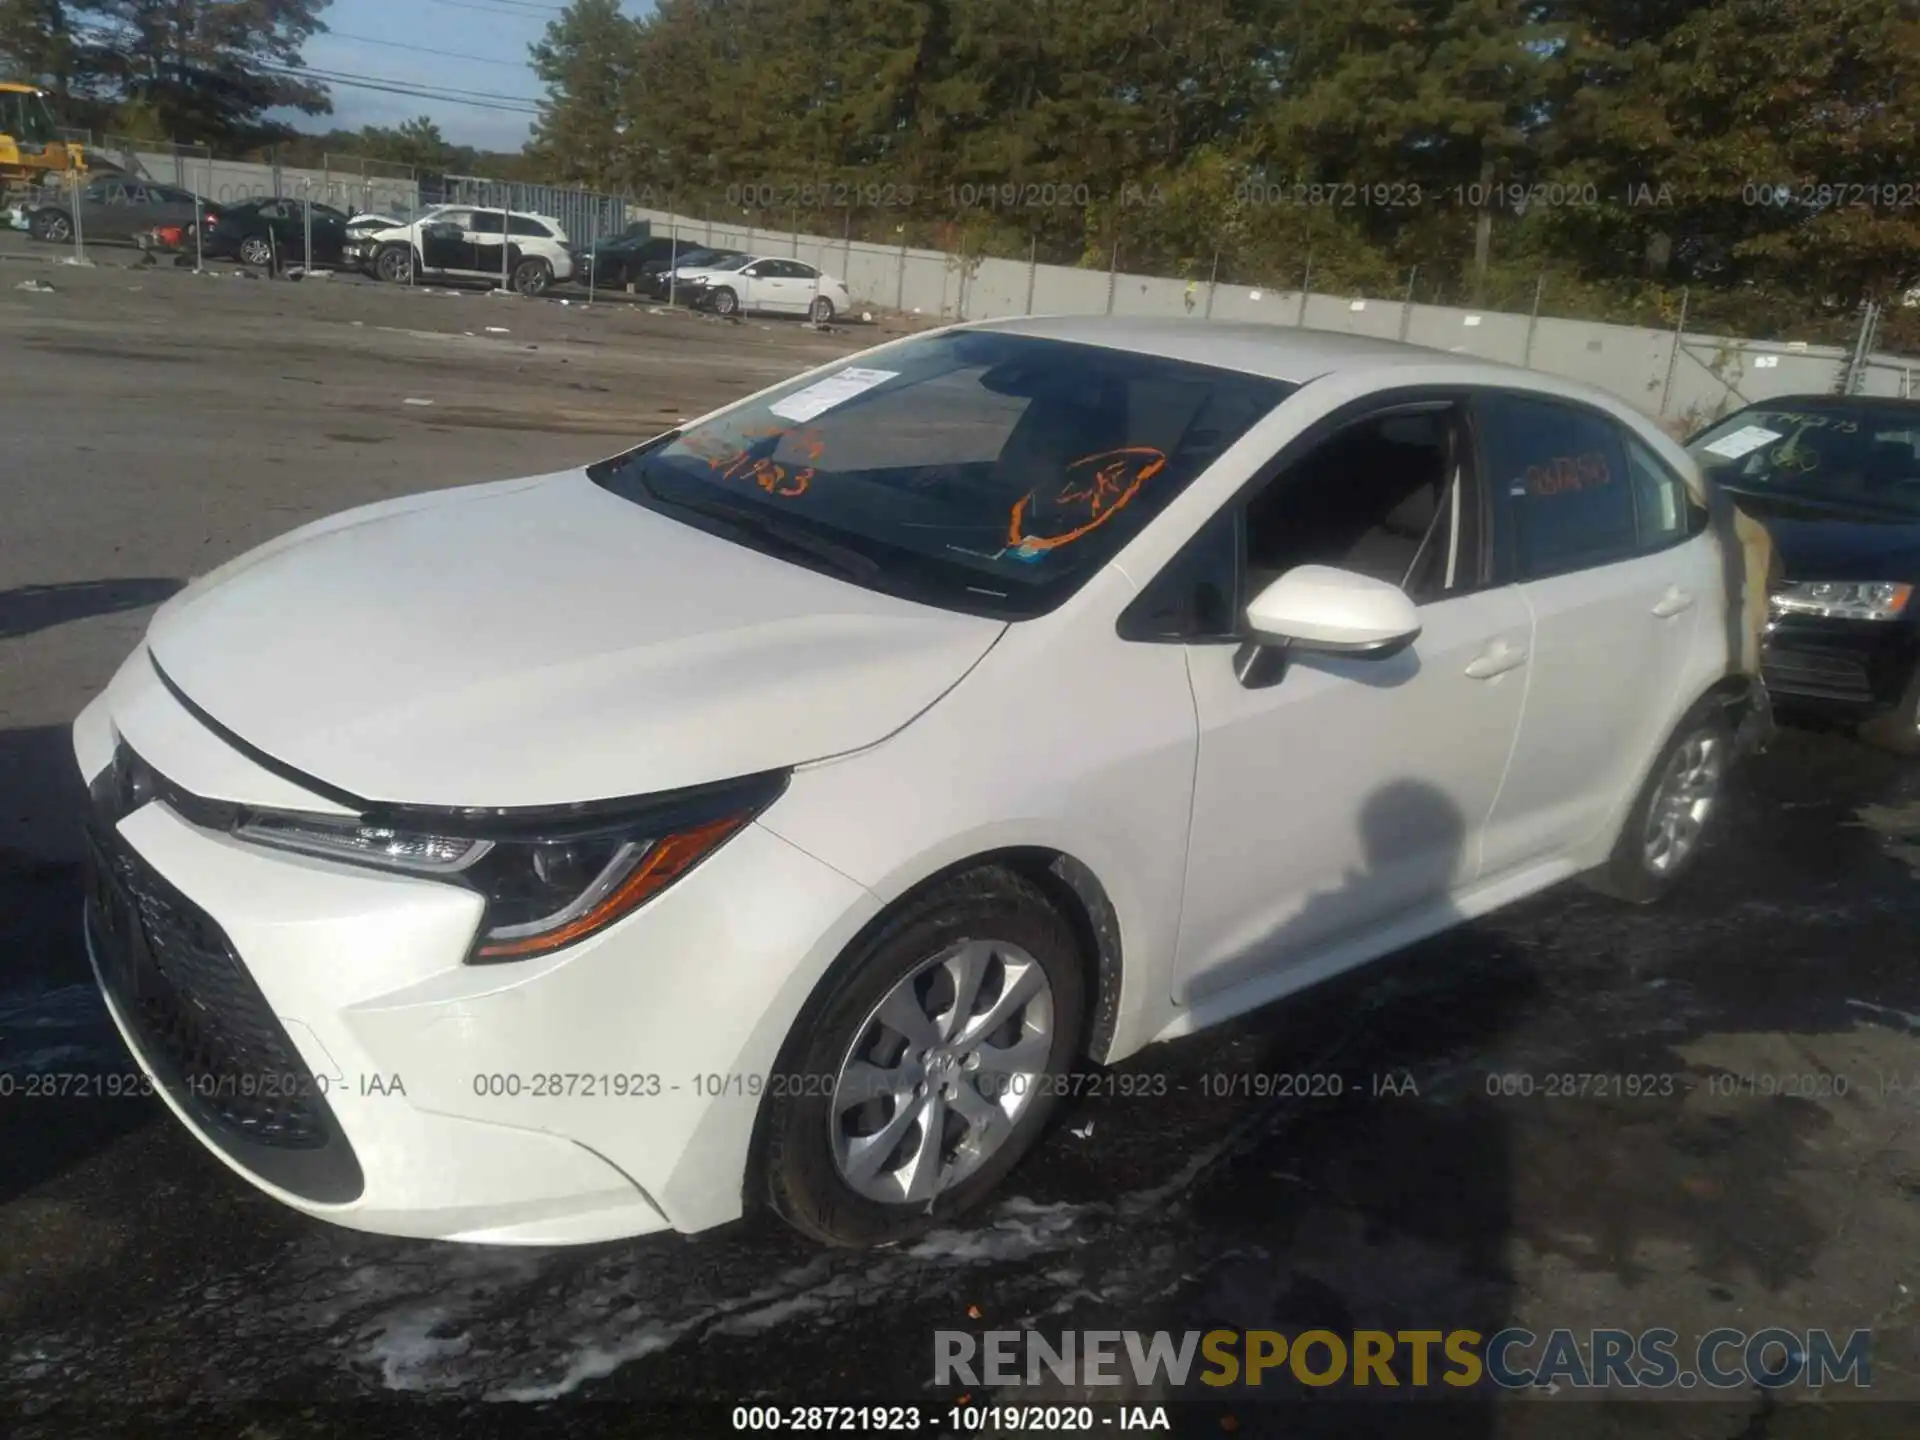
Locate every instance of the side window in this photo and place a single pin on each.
(1659, 498)
(1559, 475)
(796, 271)
(1389, 496)
(521, 225)
(486, 222)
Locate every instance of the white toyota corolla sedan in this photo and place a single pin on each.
(776, 812)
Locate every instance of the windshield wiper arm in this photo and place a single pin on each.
(843, 558)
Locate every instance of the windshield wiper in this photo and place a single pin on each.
(779, 534)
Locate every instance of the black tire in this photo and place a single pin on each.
(394, 264)
(821, 311)
(1628, 874)
(257, 251)
(531, 276)
(51, 225)
(803, 1185)
(724, 301)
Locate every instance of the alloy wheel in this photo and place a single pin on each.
(1682, 803)
(941, 1071)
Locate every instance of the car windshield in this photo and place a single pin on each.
(731, 262)
(980, 471)
(1854, 456)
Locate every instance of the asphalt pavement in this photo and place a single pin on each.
(157, 422)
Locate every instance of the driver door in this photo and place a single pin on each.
(759, 286)
(443, 242)
(1337, 797)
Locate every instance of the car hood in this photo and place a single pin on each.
(1822, 542)
(544, 642)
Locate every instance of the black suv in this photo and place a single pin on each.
(1836, 482)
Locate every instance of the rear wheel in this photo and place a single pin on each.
(532, 277)
(256, 250)
(927, 1070)
(822, 310)
(1674, 812)
(394, 264)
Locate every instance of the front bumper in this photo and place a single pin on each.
(315, 1025)
(1847, 669)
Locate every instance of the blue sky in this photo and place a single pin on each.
(473, 46)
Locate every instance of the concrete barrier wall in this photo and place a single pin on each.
(230, 181)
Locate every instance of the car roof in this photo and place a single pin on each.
(1279, 352)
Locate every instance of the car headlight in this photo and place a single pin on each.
(549, 879)
(1844, 599)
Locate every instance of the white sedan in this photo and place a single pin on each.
(763, 284)
(775, 812)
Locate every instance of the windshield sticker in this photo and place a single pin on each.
(823, 395)
(1742, 441)
(1567, 473)
(1099, 486)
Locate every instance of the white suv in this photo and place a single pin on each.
(464, 242)
(781, 811)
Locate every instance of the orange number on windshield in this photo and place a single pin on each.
(770, 476)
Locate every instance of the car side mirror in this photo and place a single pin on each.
(752, 272)
(1337, 612)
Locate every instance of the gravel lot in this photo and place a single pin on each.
(158, 422)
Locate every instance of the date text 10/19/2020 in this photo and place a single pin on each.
(961, 1419)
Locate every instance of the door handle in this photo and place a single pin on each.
(1673, 603)
(1497, 659)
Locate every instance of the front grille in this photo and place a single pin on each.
(198, 1015)
(200, 1023)
(1813, 672)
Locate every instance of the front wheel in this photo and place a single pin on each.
(725, 302)
(930, 1067)
(55, 227)
(1674, 812)
(394, 264)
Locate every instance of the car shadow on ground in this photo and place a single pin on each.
(73, 1088)
(29, 608)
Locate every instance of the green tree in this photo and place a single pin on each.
(36, 43)
(585, 59)
(209, 70)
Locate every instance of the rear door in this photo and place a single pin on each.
(1614, 616)
(104, 211)
(486, 241)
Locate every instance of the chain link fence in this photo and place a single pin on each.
(1532, 318)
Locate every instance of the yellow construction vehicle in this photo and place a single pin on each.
(32, 151)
